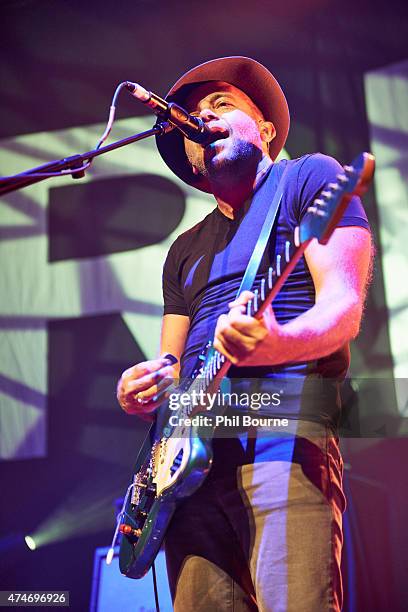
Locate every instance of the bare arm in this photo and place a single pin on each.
(138, 384)
(339, 271)
(173, 336)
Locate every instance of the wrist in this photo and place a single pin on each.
(280, 345)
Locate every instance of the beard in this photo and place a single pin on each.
(225, 159)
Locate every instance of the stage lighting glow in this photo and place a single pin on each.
(30, 542)
(86, 510)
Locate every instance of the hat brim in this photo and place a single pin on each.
(248, 75)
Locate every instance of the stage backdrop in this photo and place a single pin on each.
(80, 273)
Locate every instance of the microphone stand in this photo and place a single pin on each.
(18, 181)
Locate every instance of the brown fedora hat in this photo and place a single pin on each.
(248, 75)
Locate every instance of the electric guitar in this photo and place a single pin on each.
(174, 459)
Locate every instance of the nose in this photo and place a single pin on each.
(207, 115)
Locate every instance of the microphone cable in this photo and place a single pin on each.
(87, 164)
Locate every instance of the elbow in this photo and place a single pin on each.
(354, 315)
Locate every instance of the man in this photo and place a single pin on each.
(264, 530)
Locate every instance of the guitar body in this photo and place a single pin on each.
(177, 456)
(168, 469)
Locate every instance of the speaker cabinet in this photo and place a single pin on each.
(113, 592)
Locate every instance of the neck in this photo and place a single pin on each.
(231, 195)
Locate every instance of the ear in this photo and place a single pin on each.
(194, 169)
(267, 131)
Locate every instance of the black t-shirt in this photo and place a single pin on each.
(205, 265)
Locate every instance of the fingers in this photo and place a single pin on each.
(145, 367)
(149, 381)
(234, 345)
(229, 351)
(141, 388)
(237, 336)
(222, 338)
(242, 299)
(230, 341)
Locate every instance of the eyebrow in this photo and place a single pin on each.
(221, 94)
(214, 96)
(225, 94)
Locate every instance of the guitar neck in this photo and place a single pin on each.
(290, 265)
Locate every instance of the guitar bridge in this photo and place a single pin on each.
(138, 484)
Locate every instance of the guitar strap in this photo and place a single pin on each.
(262, 196)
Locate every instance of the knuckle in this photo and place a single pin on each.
(217, 345)
(134, 372)
(126, 374)
(168, 372)
(119, 387)
(149, 367)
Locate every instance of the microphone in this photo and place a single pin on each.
(192, 127)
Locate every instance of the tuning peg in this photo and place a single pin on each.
(278, 265)
(218, 355)
(270, 277)
(296, 236)
(256, 300)
(333, 186)
(342, 178)
(316, 211)
(287, 251)
(214, 365)
(263, 289)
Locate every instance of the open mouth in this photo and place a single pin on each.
(218, 133)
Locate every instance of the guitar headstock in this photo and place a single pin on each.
(326, 211)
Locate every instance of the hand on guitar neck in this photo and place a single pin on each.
(238, 336)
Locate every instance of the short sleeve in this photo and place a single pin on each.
(173, 298)
(315, 172)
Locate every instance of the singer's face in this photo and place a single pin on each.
(220, 104)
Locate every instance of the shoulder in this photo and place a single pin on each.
(313, 167)
(318, 166)
(313, 164)
(312, 172)
(308, 175)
